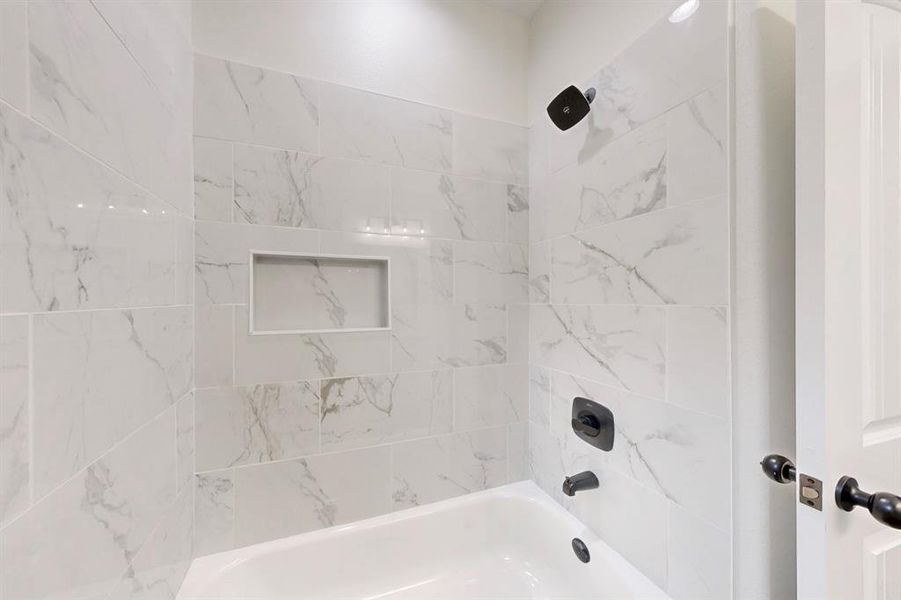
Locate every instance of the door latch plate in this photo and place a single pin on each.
(810, 491)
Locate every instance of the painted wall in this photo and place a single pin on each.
(462, 56)
(96, 339)
(630, 302)
(296, 432)
(764, 295)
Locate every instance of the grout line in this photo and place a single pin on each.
(27, 52)
(723, 196)
(44, 313)
(127, 436)
(363, 161)
(363, 90)
(72, 145)
(232, 208)
(386, 444)
(630, 392)
(31, 421)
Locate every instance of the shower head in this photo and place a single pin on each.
(570, 106)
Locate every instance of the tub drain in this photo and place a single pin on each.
(581, 550)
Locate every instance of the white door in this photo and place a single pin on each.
(849, 290)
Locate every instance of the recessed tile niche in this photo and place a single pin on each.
(317, 293)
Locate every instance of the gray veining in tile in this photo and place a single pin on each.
(675, 256)
(622, 346)
(247, 104)
(491, 150)
(256, 424)
(111, 507)
(65, 224)
(213, 180)
(364, 411)
(15, 465)
(491, 395)
(143, 110)
(437, 468)
(625, 179)
(284, 498)
(98, 376)
(362, 125)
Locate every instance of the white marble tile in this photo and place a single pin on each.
(110, 508)
(437, 468)
(490, 396)
(698, 148)
(362, 125)
(675, 256)
(518, 333)
(75, 235)
(365, 411)
(15, 464)
(14, 53)
(469, 335)
(421, 268)
(184, 261)
(540, 273)
(309, 294)
(415, 341)
(213, 180)
(241, 103)
(159, 567)
(222, 251)
(158, 37)
(350, 195)
(256, 424)
(545, 460)
(184, 439)
(214, 339)
(436, 205)
(517, 214)
(284, 498)
(539, 166)
(539, 395)
(697, 359)
(631, 519)
(490, 273)
(121, 98)
(667, 449)
(538, 209)
(619, 346)
(518, 452)
(624, 179)
(667, 65)
(97, 377)
(291, 189)
(290, 357)
(214, 510)
(699, 558)
(492, 150)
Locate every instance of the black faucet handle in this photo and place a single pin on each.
(587, 424)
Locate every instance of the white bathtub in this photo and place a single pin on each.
(509, 542)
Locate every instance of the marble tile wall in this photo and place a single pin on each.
(96, 299)
(297, 432)
(629, 291)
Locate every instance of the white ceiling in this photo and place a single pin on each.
(523, 8)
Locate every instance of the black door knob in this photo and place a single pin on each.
(885, 507)
(778, 468)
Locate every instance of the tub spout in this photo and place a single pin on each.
(586, 480)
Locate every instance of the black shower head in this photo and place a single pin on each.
(570, 106)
